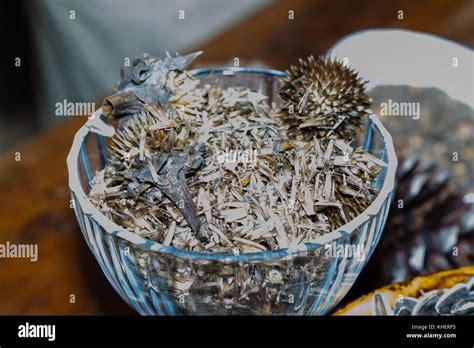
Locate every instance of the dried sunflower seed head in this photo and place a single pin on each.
(323, 95)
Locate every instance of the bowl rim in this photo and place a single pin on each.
(94, 124)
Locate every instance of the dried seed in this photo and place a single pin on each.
(207, 168)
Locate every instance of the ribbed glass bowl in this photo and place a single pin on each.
(156, 279)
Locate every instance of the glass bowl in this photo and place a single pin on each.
(156, 279)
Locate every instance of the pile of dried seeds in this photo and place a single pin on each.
(206, 168)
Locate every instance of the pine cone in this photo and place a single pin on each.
(426, 230)
(324, 95)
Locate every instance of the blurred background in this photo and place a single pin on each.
(66, 50)
(73, 50)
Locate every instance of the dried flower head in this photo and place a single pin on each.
(324, 95)
(151, 84)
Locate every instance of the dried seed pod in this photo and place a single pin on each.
(152, 83)
(325, 96)
(151, 154)
(457, 300)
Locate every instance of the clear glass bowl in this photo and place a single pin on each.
(161, 280)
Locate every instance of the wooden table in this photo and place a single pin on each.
(34, 198)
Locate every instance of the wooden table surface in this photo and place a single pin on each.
(34, 198)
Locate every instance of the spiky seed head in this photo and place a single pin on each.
(325, 96)
(149, 133)
(185, 95)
